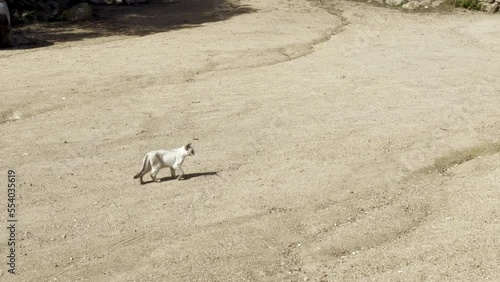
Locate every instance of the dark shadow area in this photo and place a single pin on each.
(23, 40)
(186, 177)
(193, 175)
(129, 20)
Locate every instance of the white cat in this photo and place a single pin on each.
(156, 160)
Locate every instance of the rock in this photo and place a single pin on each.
(436, 4)
(135, 1)
(412, 5)
(490, 8)
(487, 1)
(395, 2)
(80, 12)
(105, 2)
(426, 3)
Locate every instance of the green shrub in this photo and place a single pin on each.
(468, 4)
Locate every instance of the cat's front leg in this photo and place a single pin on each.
(172, 172)
(182, 172)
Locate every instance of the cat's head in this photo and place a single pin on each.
(189, 149)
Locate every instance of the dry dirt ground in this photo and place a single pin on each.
(334, 142)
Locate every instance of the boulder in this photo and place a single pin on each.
(436, 4)
(105, 2)
(80, 12)
(490, 8)
(412, 5)
(395, 2)
(135, 1)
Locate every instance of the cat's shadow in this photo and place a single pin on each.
(186, 177)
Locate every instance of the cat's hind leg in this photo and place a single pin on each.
(154, 171)
(156, 165)
(146, 166)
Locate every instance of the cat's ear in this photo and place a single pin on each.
(187, 146)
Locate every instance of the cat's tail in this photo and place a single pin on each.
(143, 168)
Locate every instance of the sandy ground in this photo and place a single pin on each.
(340, 142)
